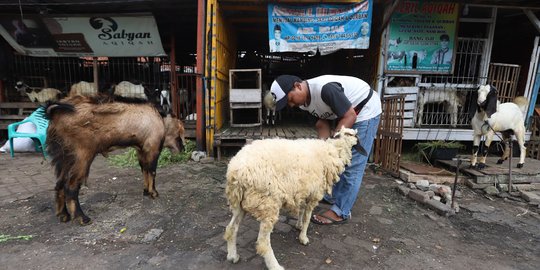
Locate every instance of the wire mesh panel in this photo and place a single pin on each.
(142, 77)
(504, 77)
(389, 136)
(467, 67)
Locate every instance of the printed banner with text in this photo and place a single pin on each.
(422, 37)
(122, 35)
(327, 28)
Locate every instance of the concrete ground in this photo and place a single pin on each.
(183, 228)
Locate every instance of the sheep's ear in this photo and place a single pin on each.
(491, 102)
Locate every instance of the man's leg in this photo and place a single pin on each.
(346, 190)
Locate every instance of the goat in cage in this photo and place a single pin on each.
(451, 98)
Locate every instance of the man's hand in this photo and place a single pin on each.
(348, 119)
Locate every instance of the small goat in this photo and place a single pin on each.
(452, 99)
(270, 108)
(490, 117)
(83, 88)
(267, 175)
(82, 127)
(130, 90)
(43, 95)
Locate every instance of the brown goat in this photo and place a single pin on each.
(82, 127)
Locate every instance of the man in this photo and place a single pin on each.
(277, 44)
(442, 56)
(353, 104)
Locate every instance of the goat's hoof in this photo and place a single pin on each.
(84, 220)
(480, 166)
(520, 165)
(233, 259)
(500, 161)
(64, 217)
(154, 194)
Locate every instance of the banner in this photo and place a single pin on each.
(122, 35)
(327, 28)
(422, 37)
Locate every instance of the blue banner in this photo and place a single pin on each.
(327, 28)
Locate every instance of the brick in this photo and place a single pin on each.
(439, 207)
(403, 190)
(531, 197)
(418, 195)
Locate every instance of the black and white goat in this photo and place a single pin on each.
(490, 117)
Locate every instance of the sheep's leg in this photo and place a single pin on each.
(230, 234)
(520, 136)
(507, 139)
(300, 220)
(264, 248)
(476, 147)
(61, 210)
(306, 215)
(148, 163)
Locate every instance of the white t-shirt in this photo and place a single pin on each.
(333, 95)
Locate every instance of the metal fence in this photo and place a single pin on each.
(152, 73)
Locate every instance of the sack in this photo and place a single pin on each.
(22, 144)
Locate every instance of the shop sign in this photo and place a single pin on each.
(100, 35)
(422, 37)
(326, 28)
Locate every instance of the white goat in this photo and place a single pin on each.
(267, 175)
(451, 98)
(130, 90)
(44, 95)
(83, 88)
(490, 117)
(269, 102)
(165, 100)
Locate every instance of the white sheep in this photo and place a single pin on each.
(490, 117)
(451, 98)
(267, 175)
(83, 88)
(44, 95)
(130, 90)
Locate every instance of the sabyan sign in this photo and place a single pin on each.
(422, 37)
(122, 35)
(327, 28)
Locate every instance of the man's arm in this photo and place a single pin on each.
(347, 120)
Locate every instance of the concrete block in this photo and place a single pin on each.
(403, 190)
(418, 195)
(439, 207)
(532, 197)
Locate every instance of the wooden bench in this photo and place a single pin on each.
(11, 112)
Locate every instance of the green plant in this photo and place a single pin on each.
(426, 149)
(129, 158)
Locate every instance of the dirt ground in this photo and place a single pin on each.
(183, 228)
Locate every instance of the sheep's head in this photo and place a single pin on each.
(487, 99)
(174, 134)
(345, 139)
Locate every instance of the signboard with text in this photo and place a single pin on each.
(326, 28)
(422, 37)
(122, 35)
